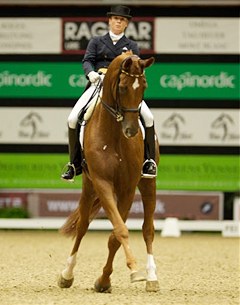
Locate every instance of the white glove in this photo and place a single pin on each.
(93, 76)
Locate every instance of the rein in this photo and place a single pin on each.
(118, 111)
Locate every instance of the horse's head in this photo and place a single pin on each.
(31, 119)
(223, 120)
(123, 89)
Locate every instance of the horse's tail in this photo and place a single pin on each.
(69, 228)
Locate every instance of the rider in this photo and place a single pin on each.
(99, 54)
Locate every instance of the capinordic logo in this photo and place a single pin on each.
(38, 79)
(174, 128)
(189, 80)
(30, 126)
(224, 128)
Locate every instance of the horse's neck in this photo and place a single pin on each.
(108, 124)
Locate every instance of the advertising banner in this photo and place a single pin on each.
(183, 205)
(70, 35)
(194, 35)
(33, 125)
(174, 127)
(77, 33)
(61, 203)
(40, 80)
(193, 81)
(30, 35)
(197, 127)
(165, 80)
(176, 172)
(13, 199)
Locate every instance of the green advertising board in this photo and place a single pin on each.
(193, 81)
(175, 172)
(165, 80)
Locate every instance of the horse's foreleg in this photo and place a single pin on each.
(123, 237)
(103, 283)
(152, 281)
(120, 236)
(120, 230)
(148, 191)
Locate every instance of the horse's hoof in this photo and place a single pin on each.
(152, 286)
(137, 276)
(99, 288)
(63, 283)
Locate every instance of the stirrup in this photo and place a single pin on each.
(74, 172)
(145, 168)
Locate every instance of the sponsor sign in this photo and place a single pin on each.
(41, 80)
(30, 35)
(193, 80)
(183, 205)
(193, 35)
(12, 199)
(176, 172)
(198, 127)
(199, 172)
(165, 81)
(29, 125)
(77, 33)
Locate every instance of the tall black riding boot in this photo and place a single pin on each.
(74, 167)
(149, 169)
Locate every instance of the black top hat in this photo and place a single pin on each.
(120, 10)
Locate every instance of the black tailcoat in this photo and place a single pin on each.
(101, 51)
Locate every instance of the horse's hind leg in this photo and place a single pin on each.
(103, 283)
(147, 188)
(78, 226)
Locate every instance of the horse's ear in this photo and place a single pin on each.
(147, 62)
(127, 63)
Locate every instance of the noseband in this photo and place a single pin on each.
(119, 111)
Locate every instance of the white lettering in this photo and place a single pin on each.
(70, 30)
(131, 31)
(77, 80)
(139, 31)
(223, 80)
(61, 206)
(145, 29)
(73, 31)
(40, 79)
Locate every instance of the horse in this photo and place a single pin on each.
(223, 121)
(114, 153)
(174, 121)
(32, 119)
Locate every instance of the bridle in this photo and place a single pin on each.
(118, 111)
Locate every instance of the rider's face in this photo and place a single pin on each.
(118, 24)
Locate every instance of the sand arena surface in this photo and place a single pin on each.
(195, 269)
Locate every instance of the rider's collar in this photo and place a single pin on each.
(115, 37)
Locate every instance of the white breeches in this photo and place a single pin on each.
(145, 112)
(146, 115)
(82, 101)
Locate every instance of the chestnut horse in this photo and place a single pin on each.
(114, 153)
